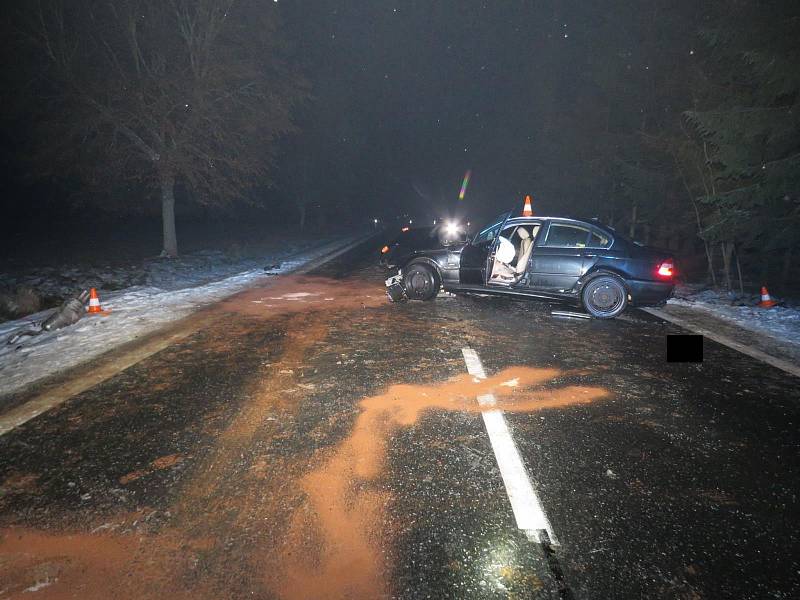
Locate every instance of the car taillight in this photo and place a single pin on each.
(666, 269)
(384, 250)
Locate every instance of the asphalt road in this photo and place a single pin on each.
(313, 441)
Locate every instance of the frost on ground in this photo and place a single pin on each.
(780, 322)
(53, 283)
(173, 289)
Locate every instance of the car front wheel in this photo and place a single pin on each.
(421, 282)
(605, 297)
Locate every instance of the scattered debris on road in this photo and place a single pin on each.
(567, 314)
(270, 269)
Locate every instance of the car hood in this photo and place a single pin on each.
(419, 240)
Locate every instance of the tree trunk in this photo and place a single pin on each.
(632, 230)
(320, 218)
(709, 254)
(739, 270)
(706, 246)
(786, 269)
(727, 251)
(710, 258)
(612, 204)
(168, 215)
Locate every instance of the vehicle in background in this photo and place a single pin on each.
(445, 234)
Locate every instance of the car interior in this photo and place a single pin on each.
(522, 237)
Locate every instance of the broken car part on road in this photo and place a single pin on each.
(395, 289)
(67, 314)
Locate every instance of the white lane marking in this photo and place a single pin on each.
(778, 363)
(525, 504)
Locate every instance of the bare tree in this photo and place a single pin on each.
(194, 92)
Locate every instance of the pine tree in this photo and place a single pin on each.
(751, 134)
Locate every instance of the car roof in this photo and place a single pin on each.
(590, 222)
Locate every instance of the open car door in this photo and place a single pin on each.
(475, 255)
(511, 254)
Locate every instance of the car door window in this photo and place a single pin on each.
(562, 235)
(488, 234)
(599, 240)
(509, 232)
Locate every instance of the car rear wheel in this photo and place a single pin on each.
(605, 297)
(421, 282)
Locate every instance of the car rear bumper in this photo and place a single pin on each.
(644, 293)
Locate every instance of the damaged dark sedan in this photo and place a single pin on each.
(550, 258)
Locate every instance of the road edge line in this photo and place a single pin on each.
(778, 363)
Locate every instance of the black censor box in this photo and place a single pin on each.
(684, 348)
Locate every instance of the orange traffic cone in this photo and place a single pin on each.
(766, 301)
(527, 210)
(94, 302)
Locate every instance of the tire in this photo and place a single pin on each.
(421, 282)
(604, 297)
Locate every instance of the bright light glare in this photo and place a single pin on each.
(451, 228)
(499, 565)
(666, 269)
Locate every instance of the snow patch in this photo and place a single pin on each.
(38, 586)
(133, 312)
(294, 296)
(781, 322)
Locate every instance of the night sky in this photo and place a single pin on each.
(532, 96)
(410, 95)
(423, 91)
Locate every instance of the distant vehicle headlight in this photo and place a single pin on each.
(451, 232)
(451, 229)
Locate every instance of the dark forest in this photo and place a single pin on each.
(676, 122)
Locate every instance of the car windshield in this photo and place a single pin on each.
(489, 233)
